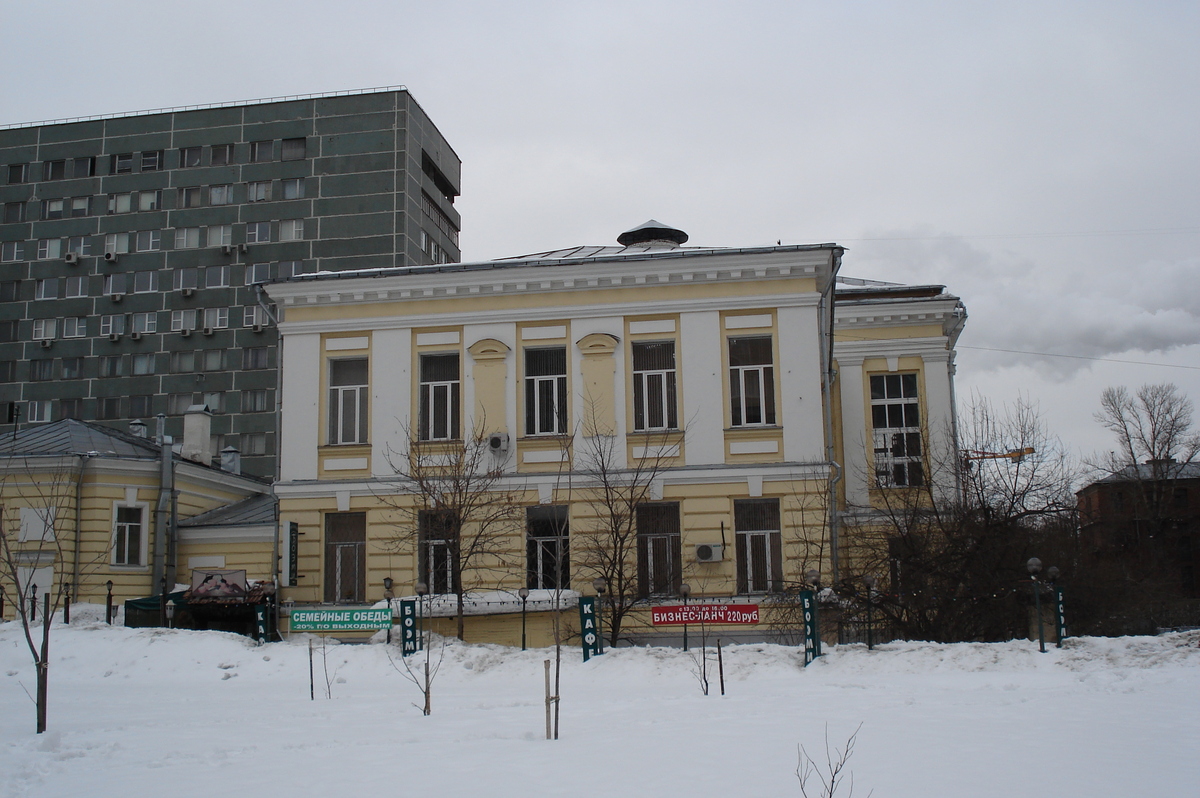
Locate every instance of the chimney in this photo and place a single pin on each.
(197, 432)
(231, 460)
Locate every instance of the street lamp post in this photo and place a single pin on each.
(67, 603)
(524, 594)
(685, 590)
(108, 608)
(600, 586)
(869, 583)
(422, 589)
(388, 595)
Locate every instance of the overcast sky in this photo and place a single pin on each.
(1042, 160)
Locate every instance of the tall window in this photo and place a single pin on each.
(437, 539)
(127, 536)
(189, 156)
(654, 402)
(896, 420)
(751, 381)
(759, 547)
(546, 391)
(547, 548)
(345, 557)
(348, 401)
(660, 568)
(439, 397)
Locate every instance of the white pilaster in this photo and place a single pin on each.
(800, 384)
(300, 407)
(700, 347)
(391, 396)
(940, 413)
(855, 436)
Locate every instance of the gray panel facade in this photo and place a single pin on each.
(129, 249)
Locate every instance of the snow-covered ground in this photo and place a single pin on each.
(174, 713)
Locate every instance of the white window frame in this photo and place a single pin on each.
(221, 194)
(216, 318)
(150, 200)
(120, 203)
(187, 238)
(761, 378)
(49, 248)
(655, 393)
(216, 276)
(896, 430)
(348, 408)
(258, 232)
(45, 329)
(145, 282)
(258, 191)
(80, 245)
(75, 327)
(292, 188)
(220, 235)
(254, 315)
(46, 288)
(117, 243)
(257, 273)
(149, 240)
(38, 411)
(112, 324)
(291, 230)
(183, 320)
(145, 322)
(143, 537)
(77, 286)
(553, 384)
(439, 402)
(12, 251)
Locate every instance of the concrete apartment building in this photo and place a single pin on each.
(131, 248)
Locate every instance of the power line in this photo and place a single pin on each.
(1078, 234)
(1083, 357)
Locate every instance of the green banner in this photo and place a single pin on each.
(589, 627)
(339, 619)
(410, 642)
(1060, 616)
(812, 633)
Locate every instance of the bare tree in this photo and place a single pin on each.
(459, 509)
(833, 774)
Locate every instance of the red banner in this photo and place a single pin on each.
(704, 613)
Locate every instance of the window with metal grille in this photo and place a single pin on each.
(654, 402)
(751, 381)
(439, 399)
(896, 423)
(546, 391)
(660, 567)
(348, 401)
(345, 557)
(438, 539)
(547, 548)
(759, 546)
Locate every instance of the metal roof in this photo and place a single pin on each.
(72, 437)
(247, 512)
(1146, 471)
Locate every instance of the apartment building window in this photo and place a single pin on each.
(114, 284)
(152, 161)
(110, 366)
(178, 403)
(108, 407)
(654, 394)
(254, 316)
(18, 173)
(437, 553)
(439, 400)
(143, 363)
(80, 245)
(292, 150)
(145, 282)
(261, 151)
(83, 167)
(149, 240)
(8, 370)
(290, 268)
(187, 237)
(221, 155)
(141, 406)
(660, 566)
(255, 357)
(348, 401)
(120, 203)
(258, 273)
(547, 548)
(44, 329)
(38, 410)
(49, 248)
(127, 536)
(292, 188)
(759, 546)
(751, 381)
(258, 232)
(255, 401)
(258, 191)
(81, 206)
(46, 288)
(220, 195)
(216, 318)
(183, 362)
(291, 230)
(253, 443)
(41, 370)
(121, 163)
(117, 243)
(11, 251)
(220, 235)
(53, 208)
(75, 327)
(76, 286)
(70, 408)
(113, 324)
(896, 421)
(216, 277)
(189, 197)
(54, 170)
(10, 290)
(546, 391)
(189, 156)
(72, 368)
(214, 401)
(186, 278)
(8, 331)
(149, 200)
(183, 320)
(145, 322)
(345, 557)
(210, 360)
(14, 212)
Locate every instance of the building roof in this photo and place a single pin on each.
(1146, 471)
(247, 512)
(72, 437)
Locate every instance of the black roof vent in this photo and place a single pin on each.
(652, 233)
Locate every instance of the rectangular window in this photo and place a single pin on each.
(654, 402)
(439, 397)
(187, 237)
(660, 567)
(547, 548)
(113, 324)
(49, 248)
(141, 406)
(759, 546)
(261, 151)
(83, 167)
(110, 366)
(149, 200)
(11, 251)
(183, 320)
(210, 360)
(44, 329)
(255, 401)
(258, 232)
(345, 557)
(258, 273)
(290, 268)
(127, 536)
(81, 206)
(216, 277)
(75, 327)
(38, 410)
(114, 284)
(220, 235)
(70, 408)
(117, 243)
(143, 364)
(80, 245)
(54, 170)
(222, 155)
(145, 282)
(53, 208)
(438, 541)
(189, 197)
(254, 443)
(292, 150)
(293, 188)
(149, 240)
(183, 362)
(108, 407)
(220, 195)
(254, 316)
(187, 278)
(348, 401)
(896, 421)
(47, 288)
(291, 230)
(8, 331)
(10, 290)
(258, 191)
(18, 173)
(152, 161)
(189, 156)
(214, 401)
(120, 163)
(216, 318)
(120, 203)
(255, 357)
(41, 370)
(751, 381)
(178, 403)
(145, 322)
(546, 391)
(77, 286)
(8, 370)
(72, 368)
(14, 212)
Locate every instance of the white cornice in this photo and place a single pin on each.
(904, 312)
(887, 347)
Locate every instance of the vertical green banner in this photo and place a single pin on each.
(1060, 616)
(260, 622)
(589, 632)
(409, 644)
(812, 634)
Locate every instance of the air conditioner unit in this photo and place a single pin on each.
(137, 336)
(497, 443)
(72, 257)
(47, 343)
(709, 552)
(110, 257)
(226, 249)
(185, 332)
(114, 337)
(257, 328)
(116, 297)
(208, 330)
(187, 291)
